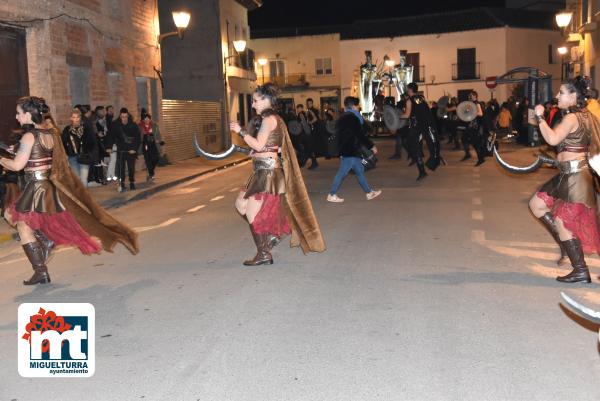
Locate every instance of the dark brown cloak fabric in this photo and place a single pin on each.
(96, 221)
(306, 232)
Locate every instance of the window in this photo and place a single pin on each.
(142, 92)
(79, 83)
(466, 66)
(463, 94)
(276, 69)
(414, 60)
(550, 54)
(115, 94)
(323, 66)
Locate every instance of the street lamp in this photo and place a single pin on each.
(563, 19)
(181, 20)
(262, 62)
(388, 61)
(562, 51)
(239, 45)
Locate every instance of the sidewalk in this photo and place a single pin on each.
(166, 177)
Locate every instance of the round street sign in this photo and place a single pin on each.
(490, 82)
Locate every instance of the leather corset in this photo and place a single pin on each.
(39, 152)
(580, 139)
(274, 141)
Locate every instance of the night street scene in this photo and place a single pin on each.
(268, 200)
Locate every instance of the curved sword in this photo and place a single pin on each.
(218, 156)
(527, 169)
(581, 310)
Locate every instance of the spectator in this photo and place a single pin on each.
(151, 139)
(111, 146)
(126, 135)
(505, 120)
(78, 142)
(351, 134)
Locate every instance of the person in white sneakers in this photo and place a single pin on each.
(351, 135)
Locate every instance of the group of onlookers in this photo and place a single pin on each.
(101, 147)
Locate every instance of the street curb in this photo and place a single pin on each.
(116, 203)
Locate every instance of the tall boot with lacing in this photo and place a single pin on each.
(580, 272)
(35, 254)
(548, 221)
(263, 256)
(46, 243)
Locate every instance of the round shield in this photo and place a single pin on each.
(294, 127)
(466, 111)
(330, 126)
(391, 118)
(443, 102)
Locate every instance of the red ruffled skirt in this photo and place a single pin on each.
(570, 195)
(39, 207)
(272, 217)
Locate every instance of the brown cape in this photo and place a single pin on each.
(306, 232)
(96, 221)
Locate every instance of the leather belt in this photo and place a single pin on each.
(32, 163)
(575, 149)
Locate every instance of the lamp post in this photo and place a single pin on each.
(181, 20)
(562, 51)
(239, 46)
(262, 62)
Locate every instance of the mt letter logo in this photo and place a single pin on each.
(56, 340)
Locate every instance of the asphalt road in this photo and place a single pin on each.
(440, 290)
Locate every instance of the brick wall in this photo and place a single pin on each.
(122, 41)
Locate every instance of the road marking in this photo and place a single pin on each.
(477, 201)
(161, 225)
(216, 198)
(477, 215)
(234, 189)
(195, 209)
(184, 191)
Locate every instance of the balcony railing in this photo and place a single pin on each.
(463, 71)
(289, 80)
(419, 73)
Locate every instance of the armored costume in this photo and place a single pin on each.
(55, 204)
(475, 134)
(286, 208)
(571, 197)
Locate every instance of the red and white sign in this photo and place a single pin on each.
(490, 82)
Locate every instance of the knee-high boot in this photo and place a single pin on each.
(263, 256)
(548, 221)
(421, 166)
(580, 272)
(35, 254)
(46, 243)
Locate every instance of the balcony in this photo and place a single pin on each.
(419, 73)
(290, 80)
(466, 71)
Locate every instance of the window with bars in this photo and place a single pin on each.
(323, 66)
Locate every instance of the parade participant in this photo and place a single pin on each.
(275, 201)
(54, 202)
(475, 133)
(566, 204)
(312, 115)
(421, 126)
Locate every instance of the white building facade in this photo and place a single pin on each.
(449, 58)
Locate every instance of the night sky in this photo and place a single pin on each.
(288, 13)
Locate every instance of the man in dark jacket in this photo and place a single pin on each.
(126, 134)
(351, 134)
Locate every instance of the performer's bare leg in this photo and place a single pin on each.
(542, 212)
